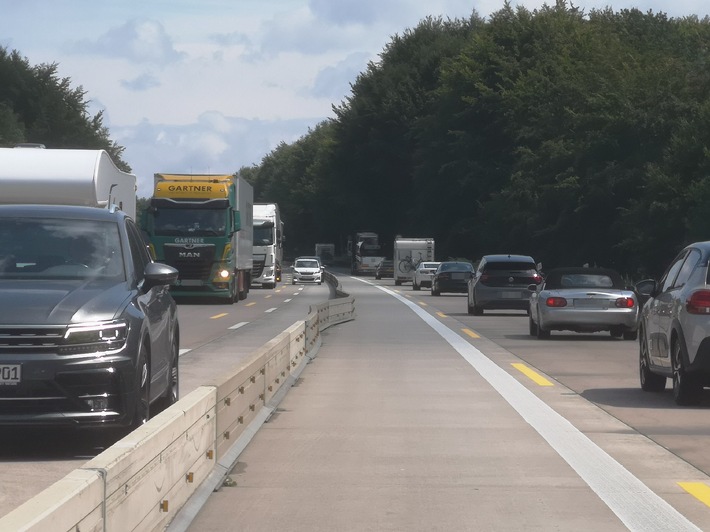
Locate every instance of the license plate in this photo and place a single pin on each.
(10, 374)
(511, 295)
(591, 303)
(190, 282)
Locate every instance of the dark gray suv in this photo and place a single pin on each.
(89, 332)
(501, 282)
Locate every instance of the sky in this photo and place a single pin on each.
(210, 86)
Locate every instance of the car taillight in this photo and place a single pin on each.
(537, 278)
(556, 302)
(698, 302)
(485, 278)
(625, 302)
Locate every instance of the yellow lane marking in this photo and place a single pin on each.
(533, 375)
(470, 333)
(267, 297)
(217, 316)
(699, 490)
(250, 304)
(441, 315)
(422, 303)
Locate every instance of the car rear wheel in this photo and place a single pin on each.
(687, 389)
(415, 286)
(630, 335)
(650, 382)
(616, 332)
(532, 326)
(542, 334)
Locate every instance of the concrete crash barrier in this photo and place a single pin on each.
(161, 473)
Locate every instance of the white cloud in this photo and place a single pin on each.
(140, 41)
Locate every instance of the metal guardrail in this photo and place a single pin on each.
(161, 473)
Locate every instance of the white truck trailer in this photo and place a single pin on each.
(408, 253)
(268, 245)
(65, 177)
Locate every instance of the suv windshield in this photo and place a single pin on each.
(32, 248)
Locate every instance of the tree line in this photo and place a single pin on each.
(578, 138)
(575, 137)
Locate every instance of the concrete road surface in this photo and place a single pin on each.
(402, 423)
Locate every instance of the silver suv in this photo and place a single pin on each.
(674, 329)
(501, 282)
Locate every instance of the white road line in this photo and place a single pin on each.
(270, 310)
(240, 324)
(183, 351)
(631, 500)
(287, 300)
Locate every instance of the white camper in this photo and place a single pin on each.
(65, 177)
(408, 253)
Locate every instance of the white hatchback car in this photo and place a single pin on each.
(307, 270)
(423, 274)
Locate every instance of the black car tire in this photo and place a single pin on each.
(687, 389)
(542, 334)
(476, 310)
(630, 335)
(650, 382)
(435, 292)
(172, 393)
(616, 332)
(142, 411)
(415, 286)
(532, 326)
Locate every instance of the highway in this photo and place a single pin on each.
(590, 380)
(417, 416)
(213, 338)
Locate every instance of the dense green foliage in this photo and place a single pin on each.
(574, 137)
(38, 106)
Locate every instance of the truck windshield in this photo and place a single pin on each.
(263, 235)
(193, 222)
(31, 248)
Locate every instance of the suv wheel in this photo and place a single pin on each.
(686, 387)
(650, 382)
(142, 411)
(172, 392)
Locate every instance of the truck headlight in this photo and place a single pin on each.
(100, 338)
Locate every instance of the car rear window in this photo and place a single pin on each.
(585, 281)
(508, 265)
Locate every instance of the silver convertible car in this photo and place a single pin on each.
(583, 300)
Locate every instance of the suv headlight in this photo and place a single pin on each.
(99, 338)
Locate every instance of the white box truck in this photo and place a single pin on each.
(268, 245)
(65, 177)
(408, 253)
(326, 253)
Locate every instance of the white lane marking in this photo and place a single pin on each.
(287, 300)
(631, 500)
(238, 325)
(183, 351)
(270, 310)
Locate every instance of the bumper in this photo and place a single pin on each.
(452, 286)
(502, 298)
(588, 320)
(69, 391)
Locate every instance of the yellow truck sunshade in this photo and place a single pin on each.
(194, 189)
